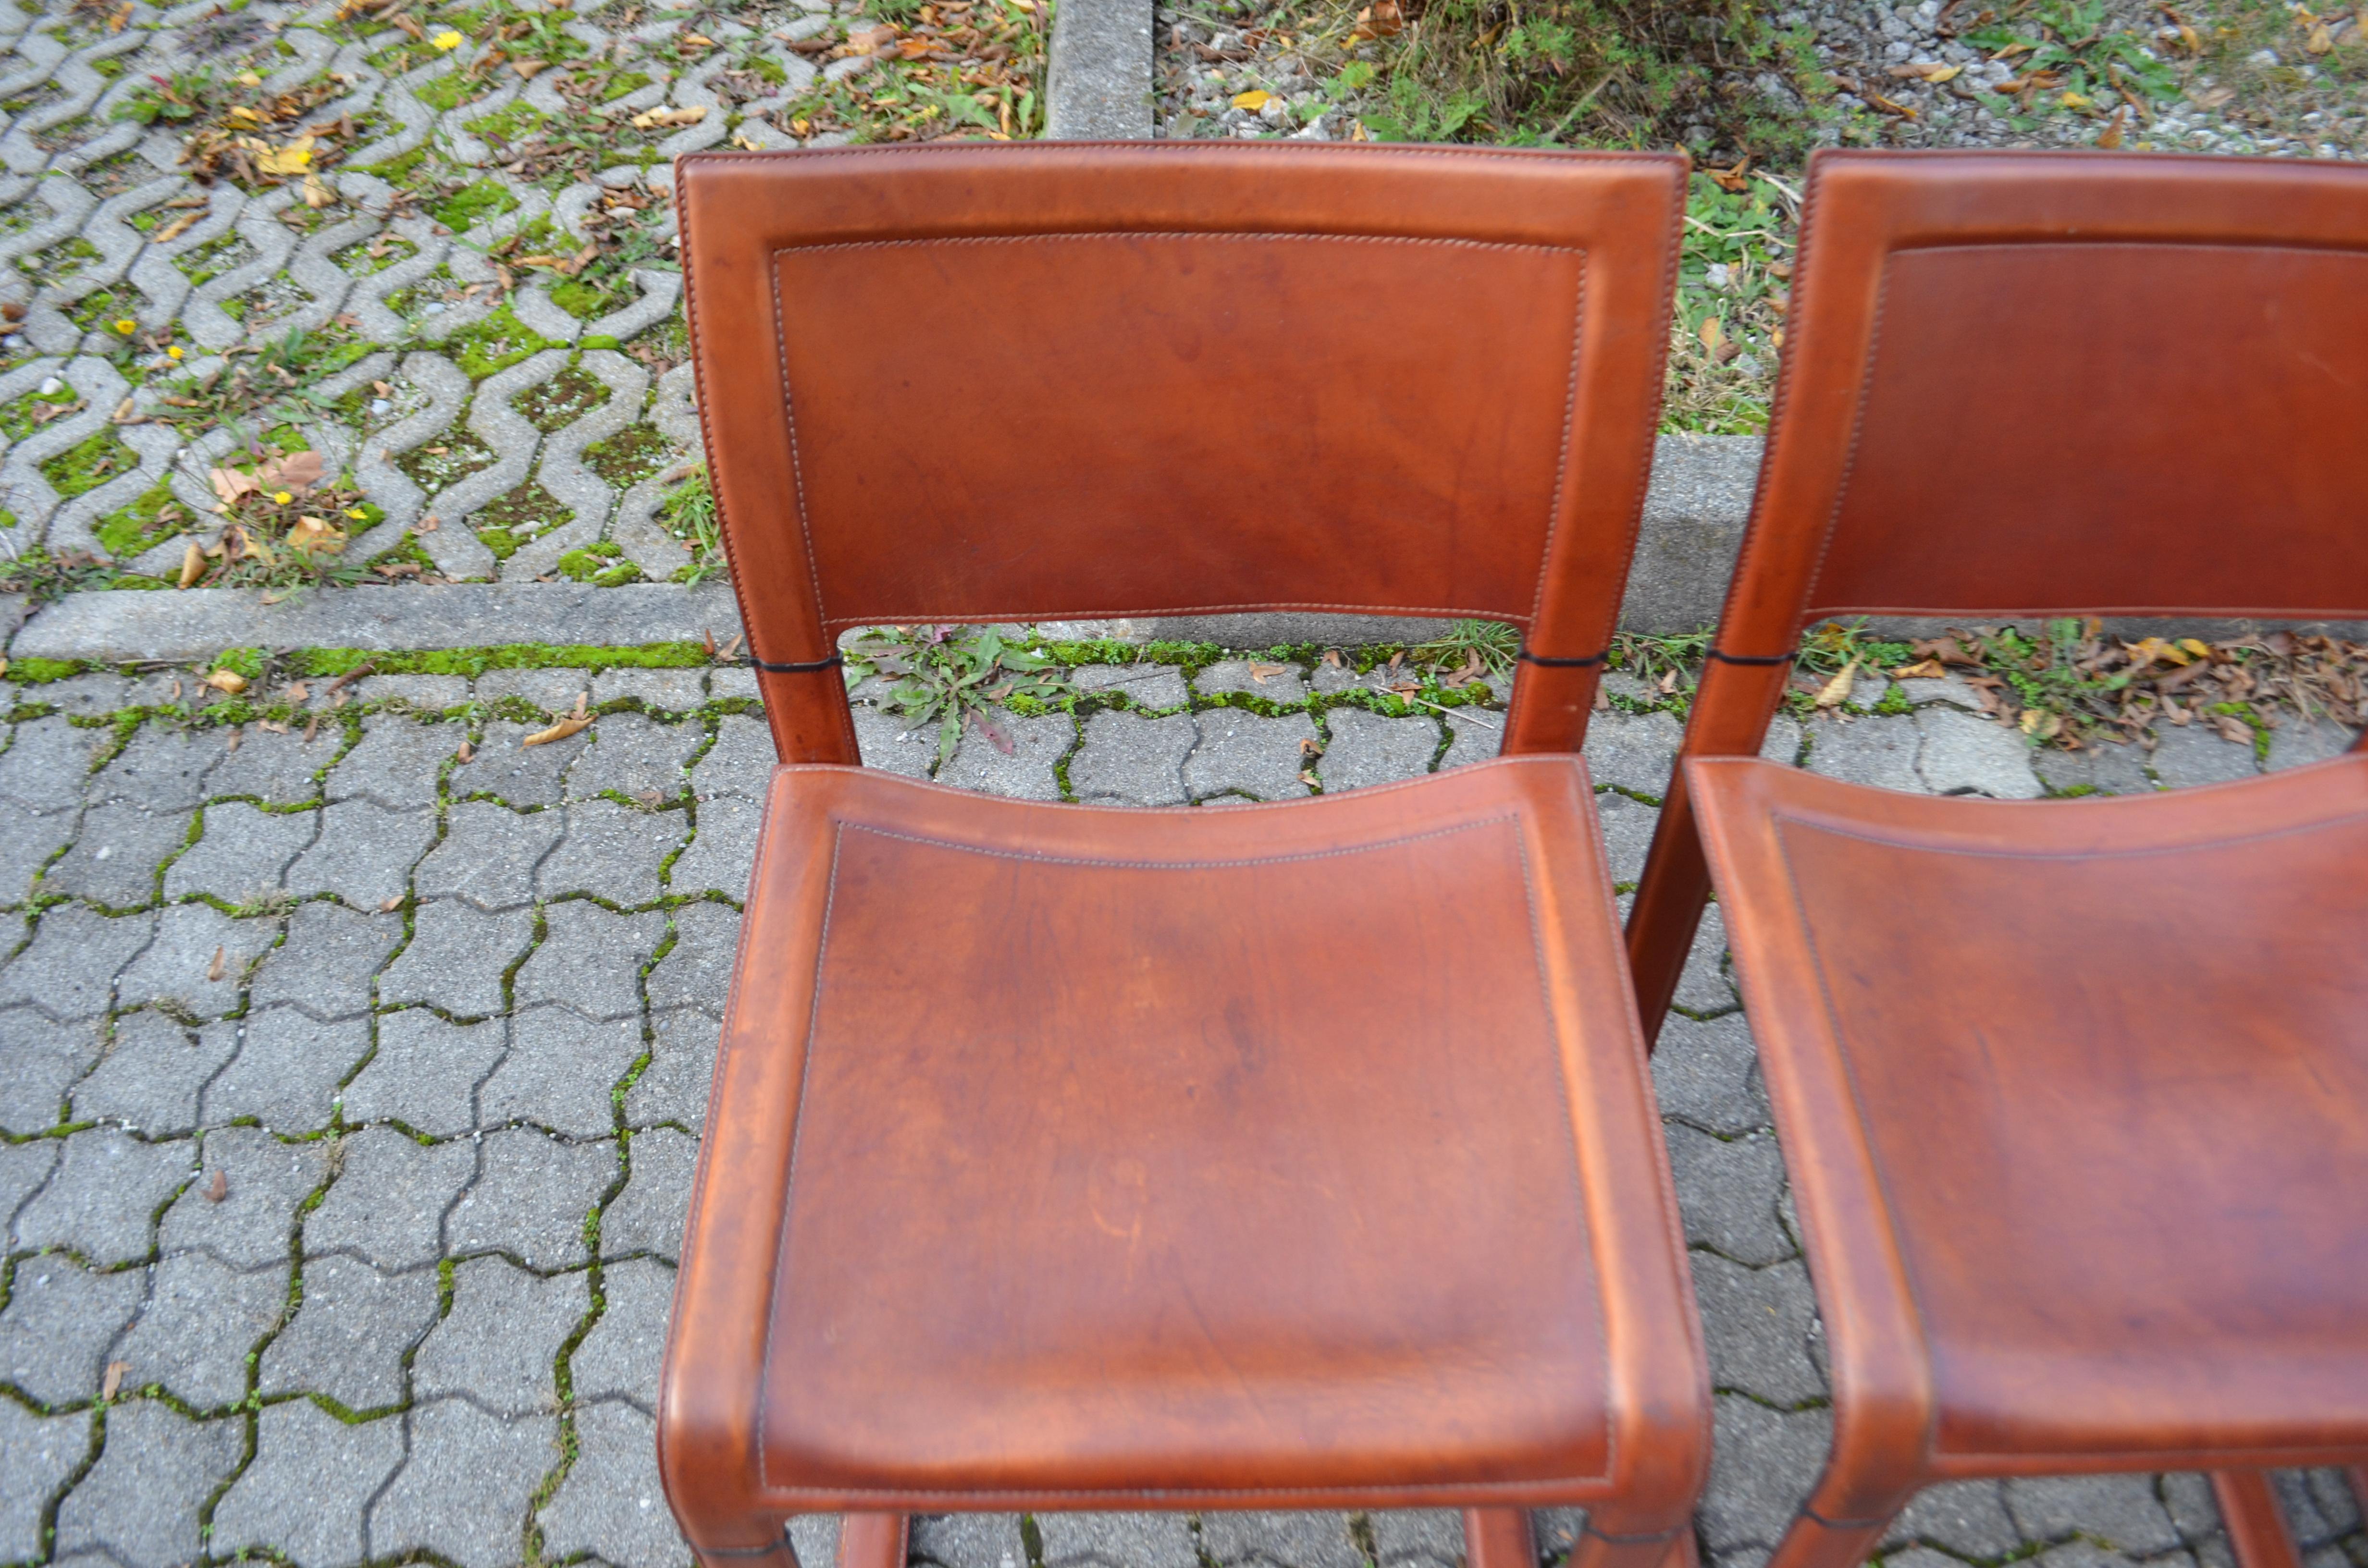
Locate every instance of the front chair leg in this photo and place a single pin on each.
(873, 1541)
(1498, 1538)
(1602, 1543)
(2256, 1526)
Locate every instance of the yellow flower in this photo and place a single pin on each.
(448, 40)
(282, 496)
(357, 513)
(127, 326)
(173, 352)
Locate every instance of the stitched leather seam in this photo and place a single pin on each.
(1849, 461)
(2068, 857)
(1562, 457)
(908, 617)
(797, 463)
(1447, 1491)
(1220, 865)
(896, 780)
(1362, 150)
(1234, 234)
(797, 1141)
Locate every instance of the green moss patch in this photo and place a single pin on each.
(472, 204)
(437, 464)
(472, 662)
(521, 515)
(629, 455)
(99, 457)
(562, 400)
(155, 517)
(494, 344)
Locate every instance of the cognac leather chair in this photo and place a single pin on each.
(1294, 1155)
(2073, 1094)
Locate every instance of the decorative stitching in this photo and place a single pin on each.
(1358, 148)
(1220, 865)
(1243, 234)
(2071, 857)
(908, 616)
(797, 463)
(1562, 457)
(1231, 808)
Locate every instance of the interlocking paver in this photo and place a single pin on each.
(47, 764)
(153, 1072)
(2294, 743)
(305, 1492)
(462, 1491)
(969, 1540)
(1266, 680)
(674, 1086)
(488, 855)
(636, 756)
(1881, 751)
(888, 742)
(611, 852)
(139, 1502)
(697, 972)
(288, 1069)
(499, 1342)
(591, 959)
(1762, 1464)
(1119, 1541)
(560, 1071)
(2191, 754)
(1366, 748)
(347, 1339)
(426, 1070)
(739, 763)
(1705, 1072)
(1280, 1540)
(1024, 773)
(263, 1180)
(722, 852)
(396, 763)
(674, 692)
(102, 1200)
(27, 842)
(162, 768)
(457, 957)
(202, 1319)
(115, 854)
(60, 1322)
(1728, 1189)
(1633, 751)
(387, 1206)
(620, 1359)
(1130, 760)
(532, 1195)
(325, 965)
(1965, 754)
(364, 853)
(23, 1168)
(1433, 1537)
(611, 1504)
(276, 768)
(1628, 825)
(648, 1215)
(521, 775)
(1239, 752)
(2123, 1509)
(197, 961)
(1966, 1518)
(42, 1451)
(1758, 1324)
(1143, 686)
(554, 691)
(244, 853)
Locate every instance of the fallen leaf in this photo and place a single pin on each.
(214, 970)
(193, 565)
(317, 194)
(2233, 729)
(1832, 693)
(529, 68)
(2110, 137)
(573, 725)
(1253, 100)
(294, 159)
(1732, 181)
(300, 692)
(1712, 333)
(177, 227)
(298, 472)
(1927, 669)
(2321, 40)
(1260, 673)
(230, 484)
(314, 537)
(467, 754)
(2042, 725)
(654, 119)
(2213, 98)
(114, 1379)
(218, 1188)
(227, 681)
(390, 906)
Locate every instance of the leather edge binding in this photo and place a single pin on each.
(805, 669)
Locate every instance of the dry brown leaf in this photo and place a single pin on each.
(193, 565)
(528, 69)
(573, 724)
(214, 970)
(1260, 673)
(467, 754)
(1926, 669)
(317, 194)
(390, 906)
(218, 1188)
(177, 227)
(114, 1379)
(1832, 693)
(227, 681)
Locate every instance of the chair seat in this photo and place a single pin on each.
(1284, 1155)
(2075, 1096)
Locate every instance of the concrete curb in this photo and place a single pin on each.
(1693, 520)
(1097, 81)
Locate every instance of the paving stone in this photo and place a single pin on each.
(887, 742)
(648, 1215)
(591, 958)
(552, 690)
(23, 1168)
(1628, 826)
(425, 1073)
(1967, 1518)
(364, 854)
(675, 690)
(1702, 986)
(114, 857)
(162, 768)
(463, 1492)
(499, 1342)
(1879, 751)
(1963, 755)
(47, 764)
(735, 683)
(1130, 760)
(388, 1204)
(151, 1075)
(202, 1319)
(519, 774)
(1757, 1323)
(1706, 1072)
(560, 1071)
(1118, 1540)
(1281, 1541)
(264, 1180)
(816, 1536)
(430, 693)
(2121, 1509)
(347, 1339)
(611, 1504)
(620, 1358)
(139, 1502)
(1430, 1536)
(532, 1197)
(1268, 678)
(288, 1069)
(1557, 1530)
(40, 1061)
(198, 959)
(1783, 740)
(1471, 736)
(1633, 751)
(1368, 749)
(674, 1086)
(611, 852)
(2295, 741)
(102, 1200)
(2087, 1554)
(60, 1322)
(42, 1451)
(636, 756)
(305, 1492)
(488, 855)
(398, 762)
(327, 962)
(244, 855)
(1026, 773)
(457, 957)
(698, 971)
(1762, 1464)
(278, 769)
(2190, 754)
(723, 853)
(68, 969)
(1143, 686)
(27, 842)
(1240, 752)
(969, 1540)
(2321, 1503)
(2106, 769)
(1726, 1191)
(741, 762)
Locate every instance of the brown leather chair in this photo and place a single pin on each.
(2074, 1095)
(1289, 1156)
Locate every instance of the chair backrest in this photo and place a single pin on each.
(978, 383)
(2041, 384)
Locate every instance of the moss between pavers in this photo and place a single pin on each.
(494, 344)
(473, 662)
(128, 532)
(472, 204)
(98, 458)
(629, 455)
(562, 400)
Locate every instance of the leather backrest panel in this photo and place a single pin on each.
(1001, 382)
(2065, 383)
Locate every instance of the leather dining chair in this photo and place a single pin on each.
(2073, 1094)
(1291, 1155)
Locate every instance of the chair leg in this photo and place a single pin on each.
(1498, 1538)
(2256, 1526)
(772, 1550)
(873, 1541)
